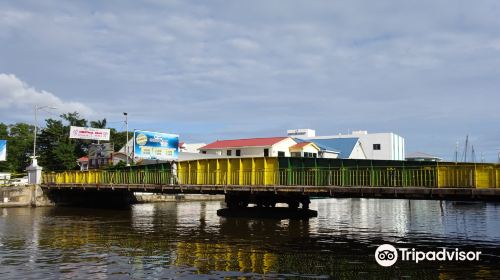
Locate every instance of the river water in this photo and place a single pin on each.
(188, 240)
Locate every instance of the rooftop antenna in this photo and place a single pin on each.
(456, 152)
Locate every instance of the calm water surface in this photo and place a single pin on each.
(188, 240)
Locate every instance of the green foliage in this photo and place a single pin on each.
(120, 138)
(98, 124)
(19, 138)
(55, 149)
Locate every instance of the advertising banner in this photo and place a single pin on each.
(89, 133)
(3, 150)
(100, 154)
(155, 145)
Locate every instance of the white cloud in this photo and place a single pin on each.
(17, 98)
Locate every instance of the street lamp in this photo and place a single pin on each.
(36, 128)
(126, 143)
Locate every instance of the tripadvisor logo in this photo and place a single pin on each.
(387, 255)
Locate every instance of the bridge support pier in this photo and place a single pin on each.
(265, 205)
(262, 200)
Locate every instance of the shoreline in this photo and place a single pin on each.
(33, 196)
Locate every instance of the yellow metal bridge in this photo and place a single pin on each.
(283, 172)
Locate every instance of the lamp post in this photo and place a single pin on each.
(126, 143)
(35, 171)
(36, 128)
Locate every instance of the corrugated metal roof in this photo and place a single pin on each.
(251, 142)
(344, 146)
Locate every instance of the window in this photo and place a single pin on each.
(281, 154)
(238, 153)
(295, 154)
(266, 152)
(228, 152)
(376, 147)
(203, 152)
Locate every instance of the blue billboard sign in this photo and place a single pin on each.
(155, 145)
(3, 150)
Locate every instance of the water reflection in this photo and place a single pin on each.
(188, 239)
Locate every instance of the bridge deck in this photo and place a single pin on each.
(313, 191)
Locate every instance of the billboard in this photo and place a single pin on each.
(155, 145)
(89, 133)
(100, 154)
(3, 150)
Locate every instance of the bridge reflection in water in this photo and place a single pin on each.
(188, 239)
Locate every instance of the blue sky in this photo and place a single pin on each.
(426, 70)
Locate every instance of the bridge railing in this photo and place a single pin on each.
(434, 176)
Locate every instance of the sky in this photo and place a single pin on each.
(427, 70)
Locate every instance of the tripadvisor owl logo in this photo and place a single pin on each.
(386, 255)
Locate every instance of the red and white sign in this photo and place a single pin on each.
(89, 133)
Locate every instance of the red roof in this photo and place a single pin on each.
(83, 159)
(300, 145)
(251, 142)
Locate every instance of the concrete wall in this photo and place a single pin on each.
(358, 152)
(30, 195)
(391, 146)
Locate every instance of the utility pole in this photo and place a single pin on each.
(35, 171)
(126, 144)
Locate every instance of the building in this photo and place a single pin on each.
(263, 147)
(83, 162)
(419, 156)
(346, 148)
(251, 147)
(304, 149)
(190, 147)
(378, 146)
(4, 178)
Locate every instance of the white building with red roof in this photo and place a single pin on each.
(259, 147)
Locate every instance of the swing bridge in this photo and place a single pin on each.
(266, 181)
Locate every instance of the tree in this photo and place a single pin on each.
(119, 138)
(19, 138)
(57, 150)
(98, 124)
